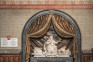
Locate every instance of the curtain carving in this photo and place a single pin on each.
(41, 26)
(62, 27)
(28, 49)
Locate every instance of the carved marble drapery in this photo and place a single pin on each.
(41, 26)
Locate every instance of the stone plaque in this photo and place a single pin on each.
(13, 42)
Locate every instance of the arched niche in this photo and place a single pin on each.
(55, 12)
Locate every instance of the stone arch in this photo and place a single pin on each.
(61, 13)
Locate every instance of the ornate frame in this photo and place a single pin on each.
(61, 13)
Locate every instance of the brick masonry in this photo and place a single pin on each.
(12, 23)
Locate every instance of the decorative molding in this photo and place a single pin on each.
(10, 50)
(19, 50)
(46, 4)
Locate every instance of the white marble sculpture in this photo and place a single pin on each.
(50, 50)
(38, 52)
(62, 52)
(50, 47)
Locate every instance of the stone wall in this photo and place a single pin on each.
(12, 22)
